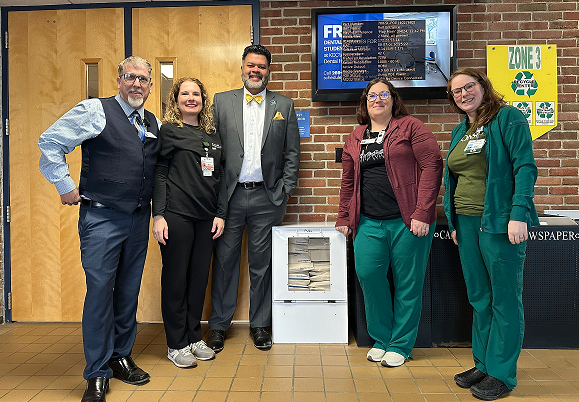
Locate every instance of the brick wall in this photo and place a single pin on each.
(286, 31)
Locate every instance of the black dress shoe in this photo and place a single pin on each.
(468, 378)
(127, 371)
(216, 340)
(261, 338)
(489, 389)
(96, 389)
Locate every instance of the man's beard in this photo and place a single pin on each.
(135, 103)
(254, 85)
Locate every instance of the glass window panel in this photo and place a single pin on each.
(166, 83)
(92, 80)
(309, 263)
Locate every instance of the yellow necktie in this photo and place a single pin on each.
(257, 98)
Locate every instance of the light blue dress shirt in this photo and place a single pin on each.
(84, 121)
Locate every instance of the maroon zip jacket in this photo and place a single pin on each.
(414, 167)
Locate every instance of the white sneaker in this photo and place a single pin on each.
(393, 359)
(201, 351)
(182, 358)
(375, 354)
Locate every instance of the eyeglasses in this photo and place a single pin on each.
(456, 92)
(372, 96)
(130, 78)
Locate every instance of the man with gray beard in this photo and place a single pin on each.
(261, 142)
(119, 145)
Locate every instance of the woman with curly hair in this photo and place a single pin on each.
(489, 187)
(189, 209)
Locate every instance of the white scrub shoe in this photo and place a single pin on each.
(392, 359)
(375, 354)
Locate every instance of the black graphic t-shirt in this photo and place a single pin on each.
(378, 199)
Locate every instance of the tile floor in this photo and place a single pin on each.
(44, 362)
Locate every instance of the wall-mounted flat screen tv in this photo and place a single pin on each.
(413, 47)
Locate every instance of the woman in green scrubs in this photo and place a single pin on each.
(392, 170)
(489, 187)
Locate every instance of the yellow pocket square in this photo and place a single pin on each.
(278, 116)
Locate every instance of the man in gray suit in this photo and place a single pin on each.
(259, 131)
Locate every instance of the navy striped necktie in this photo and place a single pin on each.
(135, 119)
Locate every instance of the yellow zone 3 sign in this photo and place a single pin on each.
(527, 77)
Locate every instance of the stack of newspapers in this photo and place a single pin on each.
(309, 263)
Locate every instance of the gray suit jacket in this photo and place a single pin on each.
(280, 148)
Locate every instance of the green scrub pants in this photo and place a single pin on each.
(378, 245)
(493, 272)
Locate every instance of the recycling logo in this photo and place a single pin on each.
(525, 108)
(524, 84)
(545, 110)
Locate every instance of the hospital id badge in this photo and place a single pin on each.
(207, 166)
(474, 146)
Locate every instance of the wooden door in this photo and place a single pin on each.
(47, 57)
(46, 78)
(202, 42)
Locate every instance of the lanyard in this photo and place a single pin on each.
(379, 139)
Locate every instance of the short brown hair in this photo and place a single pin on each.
(398, 108)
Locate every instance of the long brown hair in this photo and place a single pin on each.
(398, 108)
(491, 103)
(173, 114)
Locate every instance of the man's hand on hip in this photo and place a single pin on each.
(70, 198)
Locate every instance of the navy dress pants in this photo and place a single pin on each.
(113, 248)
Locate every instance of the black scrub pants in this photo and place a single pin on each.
(186, 263)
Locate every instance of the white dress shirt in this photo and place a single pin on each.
(253, 120)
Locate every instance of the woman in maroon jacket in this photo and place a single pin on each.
(392, 171)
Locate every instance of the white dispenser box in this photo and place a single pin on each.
(309, 284)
